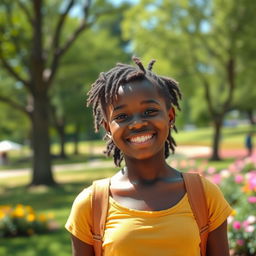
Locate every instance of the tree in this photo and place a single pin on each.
(73, 80)
(201, 37)
(30, 51)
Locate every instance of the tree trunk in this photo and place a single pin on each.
(62, 141)
(216, 140)
(76, 139)
(42, 173)
(60, 127)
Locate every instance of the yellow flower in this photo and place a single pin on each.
(2, 214)
(42, 217)
(233, 213)
(31, 217)
(19, 211)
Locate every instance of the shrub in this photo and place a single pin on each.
(238, 184)
(22, 220)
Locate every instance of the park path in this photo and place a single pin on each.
(188, 151)
(59, 168)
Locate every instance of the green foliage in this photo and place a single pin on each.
(10, 115)
(194, 41)
(80, 68)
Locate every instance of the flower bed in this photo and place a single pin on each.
(238, 184)
(22, 220)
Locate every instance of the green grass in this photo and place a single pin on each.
(232, 137)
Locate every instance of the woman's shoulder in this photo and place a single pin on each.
(83, 199)
(209, 186)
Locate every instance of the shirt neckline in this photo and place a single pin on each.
(131, 211)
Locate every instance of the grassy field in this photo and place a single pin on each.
(232, 137)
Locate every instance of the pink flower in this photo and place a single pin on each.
(252, 199)
(252, 180)
(240, 242)
(249, 229)
(211, 170)
(239, 178)
(236, 224)
(245, 224)
(216, 178)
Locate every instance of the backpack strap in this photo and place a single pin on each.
(99, 203)
(198, 204)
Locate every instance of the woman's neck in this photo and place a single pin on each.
(148, 169)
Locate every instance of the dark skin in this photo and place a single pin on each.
(139, 122)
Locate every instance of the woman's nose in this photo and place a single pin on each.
(137, 123)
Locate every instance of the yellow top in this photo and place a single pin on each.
(129, 232)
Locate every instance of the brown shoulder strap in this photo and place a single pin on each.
(198, 204)
(100, 194)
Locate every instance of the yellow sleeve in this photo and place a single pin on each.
(218, 207)
(79, 222)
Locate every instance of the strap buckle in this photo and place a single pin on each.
(96, 237)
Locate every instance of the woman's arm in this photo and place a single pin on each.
(80, 248)
(217, 243)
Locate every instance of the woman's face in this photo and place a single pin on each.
(139, 120)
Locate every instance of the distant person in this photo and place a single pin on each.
(148, 208)
(249, 143)
(4, 158)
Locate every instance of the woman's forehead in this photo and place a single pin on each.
(137, 92)
(142, 86)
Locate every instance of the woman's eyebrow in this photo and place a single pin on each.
(142, 102)
(119, 107)
(150, 101)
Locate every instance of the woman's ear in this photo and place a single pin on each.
(172, 115)
(106, 126)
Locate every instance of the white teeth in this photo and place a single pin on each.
(141, 139)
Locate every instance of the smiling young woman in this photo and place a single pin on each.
(148, 210)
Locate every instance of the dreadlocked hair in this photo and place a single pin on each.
(104, 89)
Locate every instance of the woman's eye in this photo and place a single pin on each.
(121, 117)
(150, 112)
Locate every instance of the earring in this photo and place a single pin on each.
(171, 124)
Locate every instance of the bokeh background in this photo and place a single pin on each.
(51, 52)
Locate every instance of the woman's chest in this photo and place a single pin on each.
(133, 232)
